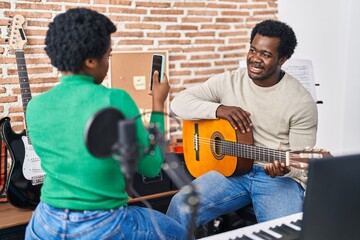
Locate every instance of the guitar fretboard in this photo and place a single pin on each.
(24, 82)
(251, 151)
(23, 78)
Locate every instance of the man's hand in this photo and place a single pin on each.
(238, 118)
(276, 169)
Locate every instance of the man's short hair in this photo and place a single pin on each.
(273, 28)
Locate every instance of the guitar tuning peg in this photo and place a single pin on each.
(6, 40)
(319, 149)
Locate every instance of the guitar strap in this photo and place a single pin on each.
(3, 165)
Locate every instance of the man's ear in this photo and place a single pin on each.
(283, 60)
(90, 63)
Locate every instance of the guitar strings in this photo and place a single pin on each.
(258, 153)
(242, 150)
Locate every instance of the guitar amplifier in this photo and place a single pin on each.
(162, 182)
(147, 186)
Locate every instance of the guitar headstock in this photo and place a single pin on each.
(17, 38)
(308, 153)
(300, 158)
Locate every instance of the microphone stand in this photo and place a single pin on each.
(172, 168)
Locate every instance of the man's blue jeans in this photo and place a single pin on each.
(122, 223)
(271, 197)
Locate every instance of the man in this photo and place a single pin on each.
(276, 107)
(84, 197)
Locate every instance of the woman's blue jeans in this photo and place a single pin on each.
(130, 222)
(271, 197)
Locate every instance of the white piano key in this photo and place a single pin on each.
(293, 226)
(275, 234)
(253, 236)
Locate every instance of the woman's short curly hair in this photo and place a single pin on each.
(273, 28)
(76, 35)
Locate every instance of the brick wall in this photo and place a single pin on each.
(203, 37)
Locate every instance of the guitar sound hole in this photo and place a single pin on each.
(216, 145)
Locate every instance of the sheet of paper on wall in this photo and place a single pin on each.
(302, 70)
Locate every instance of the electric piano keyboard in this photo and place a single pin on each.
(284, 228)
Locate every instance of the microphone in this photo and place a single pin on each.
(127, 147)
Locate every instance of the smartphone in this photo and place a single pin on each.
(157, 64)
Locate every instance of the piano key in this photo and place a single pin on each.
(279, 230)
(272, 233)
(243, 238)
(286, 232)
(264, 235)
(290, 229)
(297, 228)
(297, 223)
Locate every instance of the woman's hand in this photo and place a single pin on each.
(159, 93)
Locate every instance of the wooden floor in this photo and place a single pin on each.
(11, 216)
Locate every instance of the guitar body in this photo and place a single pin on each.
(20, 191)
(203, 154)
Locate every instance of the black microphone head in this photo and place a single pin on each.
(101, 132)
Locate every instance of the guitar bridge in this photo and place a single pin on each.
(36, 180)
(196, 142)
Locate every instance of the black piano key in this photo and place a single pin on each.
(297, 223)
(279, 230)
(283, 229)
(287, 232)
(243, 238)
(264, 235)
(289, 229)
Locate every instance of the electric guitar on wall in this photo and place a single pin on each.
(25, 176)
(215, 145)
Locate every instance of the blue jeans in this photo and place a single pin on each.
(130, 222)
(271, 197)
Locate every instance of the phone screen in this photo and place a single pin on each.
(157, 65)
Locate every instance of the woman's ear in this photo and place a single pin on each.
(90, 63)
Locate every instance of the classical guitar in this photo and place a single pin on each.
(25, 175)
(215, 145)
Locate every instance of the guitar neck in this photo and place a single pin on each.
(23, 78)
(24, 83)
(253, 152)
